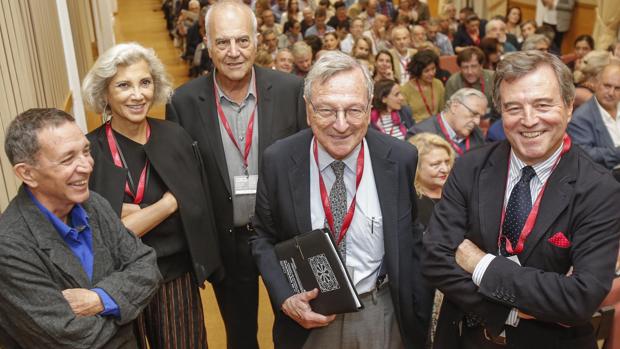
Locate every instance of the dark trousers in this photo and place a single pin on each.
(174, 318)
(237, 294)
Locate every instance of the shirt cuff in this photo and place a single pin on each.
(110, 308)
(481, 268)
(513, 318)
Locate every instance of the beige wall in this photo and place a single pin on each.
(32, 65)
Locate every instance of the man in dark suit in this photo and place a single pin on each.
(594, 126)
(234, 114)
(458, 122)
(378, 240)
(524, 240)
(71, 275)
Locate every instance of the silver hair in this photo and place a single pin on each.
(300, 48)
(491, 23)
(330, 64)
(532, 40)
(461, 95)
(516, 65)
(231, 4)
(95, 84)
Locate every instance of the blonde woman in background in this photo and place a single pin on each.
(586, 74)
(435, 160)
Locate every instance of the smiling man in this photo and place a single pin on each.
(524, 240)
(71, 274)
(379, 242)
(234, 114)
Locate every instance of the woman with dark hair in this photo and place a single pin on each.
(388, 114)
(493, 51)
(331, 42)
(513, 21)
(291, 35)
(583, 45)
(424, 94)
(384, 66)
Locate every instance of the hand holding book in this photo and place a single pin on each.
(298, 308)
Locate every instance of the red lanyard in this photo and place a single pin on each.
(456, 147)
(531, 218)
(348, 218)
(117, 156)
(249, 131)
(472, 85)
(428, 108)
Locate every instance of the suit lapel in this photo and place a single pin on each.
(599, 128)
(265, 111)
(491, 188)
(210, 122)
(386, 181)
(299, 183)
(51, 242)
(554, 201)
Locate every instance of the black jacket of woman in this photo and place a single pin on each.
(170, 151)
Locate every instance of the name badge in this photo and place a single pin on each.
(246, 185)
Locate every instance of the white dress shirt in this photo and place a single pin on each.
(364, 239)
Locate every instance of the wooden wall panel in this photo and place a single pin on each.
(582, 22)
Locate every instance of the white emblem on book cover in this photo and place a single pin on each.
(323, 273)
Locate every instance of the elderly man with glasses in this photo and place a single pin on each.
(459, 122)
(361, 182)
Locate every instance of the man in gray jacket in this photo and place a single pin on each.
(71, 275)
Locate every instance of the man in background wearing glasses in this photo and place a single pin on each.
(234, 113)
(458, 122)
(367, 178)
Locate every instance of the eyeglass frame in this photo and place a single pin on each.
(474, 113)
(336, 111)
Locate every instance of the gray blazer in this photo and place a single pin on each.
(588, 130)
(36, 265)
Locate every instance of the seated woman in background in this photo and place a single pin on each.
(384, 66)
(583, 45)
(388, 115)
(585, 77)
(331, 42)
(493, 51)
(149, 172)
(527, 28)
(513, 22)
(435, 160)
(424, 94)
(362, 53)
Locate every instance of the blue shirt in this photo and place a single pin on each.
(79, 238)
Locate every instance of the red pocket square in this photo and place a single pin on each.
(559, 240)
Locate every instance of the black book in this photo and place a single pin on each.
(309, 261)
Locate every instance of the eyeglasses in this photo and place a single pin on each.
(474, 113)
(224, 44)
(353, 114)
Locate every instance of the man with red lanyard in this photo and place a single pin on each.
(358, 182)
(524, 241)
(401, 52)
(471, 74)
(458, 122)
(233, 114)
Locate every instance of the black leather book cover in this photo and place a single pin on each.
(309, 261)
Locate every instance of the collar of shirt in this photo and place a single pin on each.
(251, 90)
(79, 219)
(543, 169)
(605, 113)
(325, 159)
(451, 132)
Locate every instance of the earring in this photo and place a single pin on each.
(105, 117)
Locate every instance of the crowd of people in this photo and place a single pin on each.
(471, 210)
